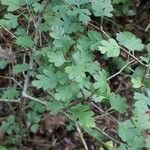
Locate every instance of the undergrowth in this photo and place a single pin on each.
(53, 67)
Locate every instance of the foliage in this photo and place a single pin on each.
(11, 93)
(128, 40)
(59, 72)
(110, 47)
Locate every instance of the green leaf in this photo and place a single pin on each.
(120, 63)
(77, 2)
(84, 16)
(96, 98)
(119, 1)
(3, 147)
(130, 41)
(3, 64)
(37, 107)
(11, 93)
(82, 58)
(20, 68)
(95, 133)
(137, 82)
(62, 77)
(110, 145)
(25, 41)
(12, 5)
(110, 47)
(95, 38)
(83, 115)
(33, 117)
(102, 8)
(148, 49)
(34, 127)
(127, 131)
(61, 41)
(76, 73)
(37, 7)
(9, 21)
(92, 67)
(55, 106)
(10, 126)
(46, 81)
(20, 31)
(141, 103)
(118, 103)
(57, 33)
(64, 93)
(101, 83)
(57, 58)
(83, 43)
(140, 118)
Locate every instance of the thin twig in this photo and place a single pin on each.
(101, 29)
(34, 99)
(114, 75)
(8, 31)
(104, 112)
(108, 136)
(81, 136)
(101, 131)
(78, 129)
(36, 37)
(10, 100)
(12, 78)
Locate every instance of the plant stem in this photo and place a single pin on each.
(81, 136)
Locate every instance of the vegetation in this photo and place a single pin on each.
(72, 58)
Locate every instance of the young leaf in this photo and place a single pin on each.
(3, 64)
(130, 41)
(83, 115)
(34, 127)
(148, 49)
(9, 21)
(64, 93)
(37, 7)
(3, 147)
(13, 5)
(77, 2)
(95, 38)
(46, 81)
(62, 77)
(55, 106)
(110, 47)
(57, 58)
(84, 16)
(92, 67)
(11, 93)
(33, 117)
(24, 41)
(101, 83)
(127, 131)
(118, 103)
(137, 83)
(102, 8)
(37, 107)
(141, 103)
(76, 73)
(119, 1)
(57, 33)
(20, 68)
